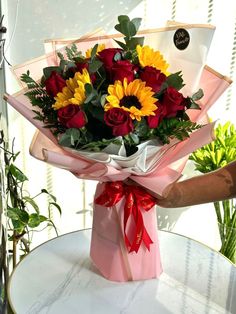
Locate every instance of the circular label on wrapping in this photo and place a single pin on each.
(181, 39)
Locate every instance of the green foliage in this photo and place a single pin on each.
(72, 53)
(213, 156)
(129, 29)
(175, 80)
(173, 128)
(23, 212)
(218, 153)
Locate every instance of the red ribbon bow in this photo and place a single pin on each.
(135, 199)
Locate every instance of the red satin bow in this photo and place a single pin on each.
(135, 199)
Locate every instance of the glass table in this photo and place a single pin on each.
(58, 278)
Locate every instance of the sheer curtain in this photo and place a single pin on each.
(31, 22)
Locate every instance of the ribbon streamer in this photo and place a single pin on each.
(135, 200)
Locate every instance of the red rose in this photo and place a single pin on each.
(153, 78)
(72, 116)
(54, 84)
(107, 56)
(82, 65)
(174, 101)
(122, 69)
(160, 113)
(119, 120)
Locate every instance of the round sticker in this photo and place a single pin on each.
(181, 39)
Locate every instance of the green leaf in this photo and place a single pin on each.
(117, 56)
(137, 22)
(17, 173)
(70, 137)
(29, 200)
(16, 213)
(18, 226)
(94, 51)
(88, 89)
(127, 28)
(57, 206)
(103, 100)
(121, 44)
(123, 18)
(47, 71)
(94, 65)
(175, 80)
(133, 42)
(42, 218)
(193, 105)
(51, 195)
(198, 95)
(34, 220)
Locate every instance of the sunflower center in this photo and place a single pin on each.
(129, 101)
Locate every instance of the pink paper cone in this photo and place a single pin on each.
(108, 251)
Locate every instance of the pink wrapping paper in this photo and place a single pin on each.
(108, 238)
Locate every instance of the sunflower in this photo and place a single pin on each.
(135, 97)
(99, 48)
(74, 91)
(148, 57)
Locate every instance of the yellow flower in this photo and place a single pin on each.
(100, 48)
(135, 97)
(148, 57)
(74, 91)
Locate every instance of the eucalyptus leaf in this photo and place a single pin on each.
(198, 95)
(137, 22)
(47, 71)
(133, 42)
(175, 80)
(122, 18)
(94, 65)
(121, 44)
(94, 51)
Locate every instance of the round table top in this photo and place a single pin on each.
(58, 278)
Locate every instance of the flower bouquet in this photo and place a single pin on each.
(112, 113)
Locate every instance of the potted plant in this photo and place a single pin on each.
(213, 156)
(22, 214)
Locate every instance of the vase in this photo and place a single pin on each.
(109, 251)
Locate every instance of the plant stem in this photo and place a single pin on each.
(14, 249)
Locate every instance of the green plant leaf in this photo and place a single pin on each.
(121, 44)
(70, 137)
(94, 51)
(29, 200)
(57, 206)
(175, 80)
(34, 220)
(15, 213)
(137, 22)
(95, 65)
(123, 18)
(133, 42)
(198, 95)
(47, 71)
(51, 195)
(17, 173)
